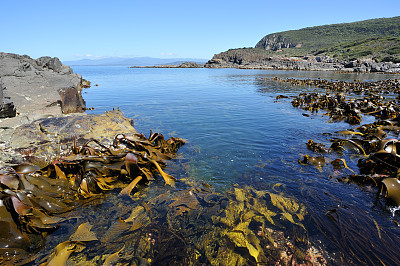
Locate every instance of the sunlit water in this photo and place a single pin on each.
(236, 131)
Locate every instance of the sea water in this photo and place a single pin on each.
(237, 132)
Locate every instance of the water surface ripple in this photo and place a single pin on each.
(236, 131)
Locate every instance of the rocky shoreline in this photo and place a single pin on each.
(183, 65)
(306, 63)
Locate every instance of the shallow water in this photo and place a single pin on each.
(238, 133)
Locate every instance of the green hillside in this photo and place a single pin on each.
(315, 38)
(377, 39)
(383, 49)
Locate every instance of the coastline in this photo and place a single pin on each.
(307, 63)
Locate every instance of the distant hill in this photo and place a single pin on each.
(377, 39)
(135, 61)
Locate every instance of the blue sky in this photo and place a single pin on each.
(74, 30)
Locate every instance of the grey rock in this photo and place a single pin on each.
(189, 65)
(309, 62)
(275, 42)
(47, 62)
(36, 88)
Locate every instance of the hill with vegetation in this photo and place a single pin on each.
(377, 40)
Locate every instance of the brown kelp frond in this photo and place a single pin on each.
(76, 243)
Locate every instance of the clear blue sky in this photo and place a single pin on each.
(73, 29)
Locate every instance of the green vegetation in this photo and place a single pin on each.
(377, 39)
(314, 38)
(379, 49)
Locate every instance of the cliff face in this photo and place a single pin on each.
(275, 42)
(36, 88)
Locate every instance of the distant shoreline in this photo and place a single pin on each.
(307, 64)
(183, 65)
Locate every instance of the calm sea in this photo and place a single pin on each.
(236, 130)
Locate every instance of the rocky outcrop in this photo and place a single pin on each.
(40, 87)
(275, 42)
(189, 65)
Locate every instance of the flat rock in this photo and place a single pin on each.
(46, 139)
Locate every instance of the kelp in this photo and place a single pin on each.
(195, 225)
(379, 155)
(35, 201)
(248, 223)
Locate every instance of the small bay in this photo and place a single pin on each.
(238, 133)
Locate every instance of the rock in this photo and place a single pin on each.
(189, 65)
(275, 42)
(239, 58)
(38, 88)
(182, 65)
(47, 62)
(71, 100)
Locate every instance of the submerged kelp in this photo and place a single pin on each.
(196, 226)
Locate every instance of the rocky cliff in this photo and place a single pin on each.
(276, 42)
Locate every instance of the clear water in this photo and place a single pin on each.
(236, 131)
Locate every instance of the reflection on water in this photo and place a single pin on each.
(238, 133)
